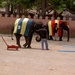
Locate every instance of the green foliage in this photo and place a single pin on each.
(70, 4)
(58, 4)
(63, 4)
(26, 3)
(2, 3)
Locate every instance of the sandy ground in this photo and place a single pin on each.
(36, 61)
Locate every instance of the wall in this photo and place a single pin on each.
(7, 22)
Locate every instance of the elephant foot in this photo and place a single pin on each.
(24, 45)
(29, 47)
(19, 46)
(67, 40)
(51, 39)
(60, 40)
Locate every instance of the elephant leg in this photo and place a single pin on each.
(29, 41)
(60, 38)
(18, 39)
(26, 39)
(51, 38)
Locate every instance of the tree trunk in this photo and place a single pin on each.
(18, 9)
(11, 9)
(7, 11)
(43, 6)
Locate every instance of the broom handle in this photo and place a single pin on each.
(4, 41)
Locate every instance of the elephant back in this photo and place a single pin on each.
(22, 26)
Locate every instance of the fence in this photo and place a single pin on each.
(7, 22)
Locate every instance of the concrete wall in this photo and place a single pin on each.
(7, 22)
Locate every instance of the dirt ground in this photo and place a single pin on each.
(36, 61)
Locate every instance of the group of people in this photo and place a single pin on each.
(44, 36)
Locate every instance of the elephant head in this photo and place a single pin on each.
(64, 26)
(25, 27)
(61, 26)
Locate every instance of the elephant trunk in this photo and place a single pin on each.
(38, 38)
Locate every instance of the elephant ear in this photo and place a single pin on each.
(38, 38)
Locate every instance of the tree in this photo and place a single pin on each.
(57, 5)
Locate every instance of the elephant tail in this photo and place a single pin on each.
(12, 29)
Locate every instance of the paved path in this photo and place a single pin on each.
(36, 61)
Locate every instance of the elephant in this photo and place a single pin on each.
(61, 25)
(25, 27)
